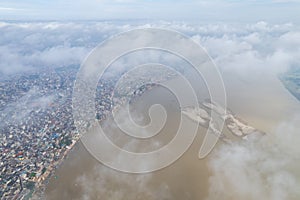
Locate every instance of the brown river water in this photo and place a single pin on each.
(263, 103)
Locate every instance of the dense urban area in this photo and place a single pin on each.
(37, 127)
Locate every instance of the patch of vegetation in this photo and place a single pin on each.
(30, 185)
(66, 141)
(33, 174)
(291, 80)
(44, 170)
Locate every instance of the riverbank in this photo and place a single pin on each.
(81, 176)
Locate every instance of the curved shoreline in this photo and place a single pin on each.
(116, 107)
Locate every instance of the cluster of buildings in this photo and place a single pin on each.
(36, 125)
(36, 128)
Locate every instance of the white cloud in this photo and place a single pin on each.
(258, 169)
(262, 170)
(9, 9)
(107, 183)
(26, 46)
(200, 10)
(238, 47)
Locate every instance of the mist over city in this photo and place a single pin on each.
(150, 100)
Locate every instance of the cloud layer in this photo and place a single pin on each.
(263, 169)
(25, 46)
(260, 46)
(200, 10)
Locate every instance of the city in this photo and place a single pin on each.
(38, 133)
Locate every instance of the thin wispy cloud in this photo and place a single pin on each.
(9, 9)
(203, 10)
